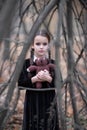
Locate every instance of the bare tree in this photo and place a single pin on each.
(19, 21)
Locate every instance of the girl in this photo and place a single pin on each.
(40, 112)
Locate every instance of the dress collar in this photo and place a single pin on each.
(34, 58)
(37, 58)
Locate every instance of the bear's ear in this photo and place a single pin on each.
(37, 61)
(45, 61)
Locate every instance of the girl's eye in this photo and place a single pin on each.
(44, 43)
(38, 44)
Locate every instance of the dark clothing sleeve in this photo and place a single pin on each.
(24, 80)
(52, 84)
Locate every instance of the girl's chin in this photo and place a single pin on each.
(40, 55)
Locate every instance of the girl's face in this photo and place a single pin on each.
(40, 46)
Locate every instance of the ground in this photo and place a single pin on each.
(15, 122)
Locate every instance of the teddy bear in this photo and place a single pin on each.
(41, 64)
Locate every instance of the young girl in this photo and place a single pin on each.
(40, 112)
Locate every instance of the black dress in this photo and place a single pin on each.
(40, 112)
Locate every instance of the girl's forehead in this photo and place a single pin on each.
(40, 38)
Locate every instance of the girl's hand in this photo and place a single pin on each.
(44, 76)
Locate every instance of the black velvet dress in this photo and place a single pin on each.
(40, 112)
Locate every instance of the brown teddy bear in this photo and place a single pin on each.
(41, 64)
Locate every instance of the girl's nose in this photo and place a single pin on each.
(41, 46)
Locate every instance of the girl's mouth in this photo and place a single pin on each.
(41, 51)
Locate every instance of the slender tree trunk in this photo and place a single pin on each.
(71, 60)
(57, 60)
(6, 15)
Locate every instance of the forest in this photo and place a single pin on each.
(66, 22)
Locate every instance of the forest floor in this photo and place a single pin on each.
(15, 122)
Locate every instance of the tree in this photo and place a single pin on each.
(17, 32)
